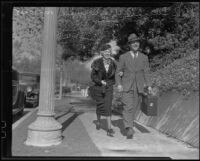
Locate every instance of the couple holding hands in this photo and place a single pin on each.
(131, 77)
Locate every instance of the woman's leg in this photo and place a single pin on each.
(108, 118)
(108, 104)
(98, 118)
(109, 122)
(98, 124)
(110, 131)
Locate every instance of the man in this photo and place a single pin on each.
(131, 78)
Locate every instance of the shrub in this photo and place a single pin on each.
(181, 75)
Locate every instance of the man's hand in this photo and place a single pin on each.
(120, 88)
(120, 74)
(103, 82)
(150, 89)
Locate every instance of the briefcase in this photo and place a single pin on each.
(149, 104)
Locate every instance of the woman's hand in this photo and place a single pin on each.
(150, 89)
(103, 82)
(120, 88)
(120, 74)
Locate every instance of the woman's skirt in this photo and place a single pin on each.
(103, 100)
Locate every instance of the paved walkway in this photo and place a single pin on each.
(82, 139)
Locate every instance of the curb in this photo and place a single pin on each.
(17, 123)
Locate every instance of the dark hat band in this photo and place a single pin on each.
(105, 47)
(136, 40)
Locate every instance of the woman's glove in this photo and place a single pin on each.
(120, 74)
(149, 89)
(103, 82)
(120, 88)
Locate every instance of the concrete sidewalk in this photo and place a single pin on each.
(76, 141)
(80, 137)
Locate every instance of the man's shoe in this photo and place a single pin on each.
(129, 136)
(130, 133)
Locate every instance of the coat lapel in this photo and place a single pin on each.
(102, 66)
(111, 69)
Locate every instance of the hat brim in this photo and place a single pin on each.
(132, 41)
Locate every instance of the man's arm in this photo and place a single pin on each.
(120, 70)
(94, 74)
(146, 71)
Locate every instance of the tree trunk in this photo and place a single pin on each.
(61, 85)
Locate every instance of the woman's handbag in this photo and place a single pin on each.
(91, 91)
(149, 104)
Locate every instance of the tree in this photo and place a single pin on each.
(27, 37)
(82, 30)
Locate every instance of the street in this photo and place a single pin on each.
(80, 137)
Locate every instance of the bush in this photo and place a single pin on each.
(181, 75)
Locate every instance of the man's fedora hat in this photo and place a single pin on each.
(132, 38)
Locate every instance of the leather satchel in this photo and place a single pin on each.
(149, 104)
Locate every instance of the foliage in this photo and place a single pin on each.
(83, 30)
(172, 32)
(181, 75)
(77, 72)
(27, 38)
(179, 40)
(27, 65)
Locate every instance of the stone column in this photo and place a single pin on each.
(45, 130)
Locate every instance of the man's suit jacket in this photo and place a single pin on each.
(135, 72)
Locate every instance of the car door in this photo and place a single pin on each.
(17, 94)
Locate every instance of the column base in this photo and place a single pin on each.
(44, 131)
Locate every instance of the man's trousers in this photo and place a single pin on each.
(131, 100)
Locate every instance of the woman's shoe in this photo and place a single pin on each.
(98, 126)
(110, 132)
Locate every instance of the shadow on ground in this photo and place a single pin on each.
(63, 114)
(119, 123)
(66, 123)
(18, 116)
(84, 102)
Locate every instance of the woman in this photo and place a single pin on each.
(103, 76)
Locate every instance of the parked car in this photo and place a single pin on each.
(31, 85)
(18, 95)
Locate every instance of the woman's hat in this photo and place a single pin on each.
(104, 47)
(132, 38)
